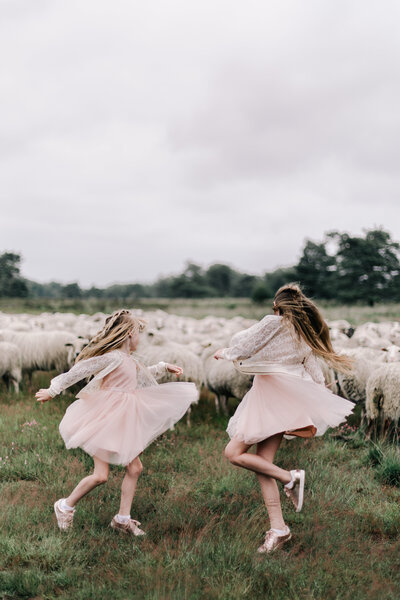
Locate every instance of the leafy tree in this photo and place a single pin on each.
(190, 284)
(44, 290)
(366, 267)
(124, 291)
(275, 279)
(71, 290)
(12, 285)
(220, 278)
(93, 292)
(316, 270)
(261, 292)
(244, 285)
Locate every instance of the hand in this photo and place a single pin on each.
(174, 369)
(218, 354)
(42, 396)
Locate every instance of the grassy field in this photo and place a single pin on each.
(220, 307)
(204, 519)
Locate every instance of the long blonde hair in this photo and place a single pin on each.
(115, 331)
(309, 324)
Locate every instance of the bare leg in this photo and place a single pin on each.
(87, 484)
(269, 488)
(236, 452)
(128, 487)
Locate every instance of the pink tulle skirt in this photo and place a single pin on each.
(117, 425)
(286, 403)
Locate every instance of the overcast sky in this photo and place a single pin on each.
(138, 135)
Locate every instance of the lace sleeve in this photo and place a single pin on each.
(158, 370)
(81, 370)
(249, 342)
(312, 367)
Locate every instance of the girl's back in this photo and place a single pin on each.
(124, 377)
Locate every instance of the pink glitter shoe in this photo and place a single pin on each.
(296, 493)
(64, 517)
(273, 541)
(131, 527)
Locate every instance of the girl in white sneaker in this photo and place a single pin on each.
(288, 396)
(118, 413)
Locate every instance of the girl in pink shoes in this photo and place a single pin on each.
(287, 397)
(117, 414)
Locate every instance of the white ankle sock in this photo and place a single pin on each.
(64, 506)
(122, 518)
(290, 485)
(281, 531)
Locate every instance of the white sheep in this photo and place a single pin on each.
(390, 353)
(383, 398)
(222, 379)
(330, 376)
(155, 347)
(393, 353)
(377, 335)
(342, 326)
(43, 350)
(10, 364)
(353, 385)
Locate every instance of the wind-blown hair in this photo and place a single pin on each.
(309, 324)
(115, 331)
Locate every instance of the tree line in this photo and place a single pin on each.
(340, 267)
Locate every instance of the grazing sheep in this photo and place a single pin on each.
(329, 376)
(390, 353)
(10, 364)
(393, 353)
(339, 339)
(43, 350)
(342, 326)
(377, 335)
(383, 398)
(223, 379)
(353, 385)
(372, 354)
(74, 348)
(155, 347)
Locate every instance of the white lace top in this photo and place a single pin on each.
(100, 366)
(274, 342)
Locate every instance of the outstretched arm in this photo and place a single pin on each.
(81, 370)
(249, 342)
(159, 369)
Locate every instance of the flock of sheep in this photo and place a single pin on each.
(51, 341)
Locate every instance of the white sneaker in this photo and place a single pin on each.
(131, 526)
(296, 493)
(273, 541)
(64, 517)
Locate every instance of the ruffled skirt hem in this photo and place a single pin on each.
(116, 426)
(282, 403)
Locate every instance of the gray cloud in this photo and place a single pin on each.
(135, 136)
